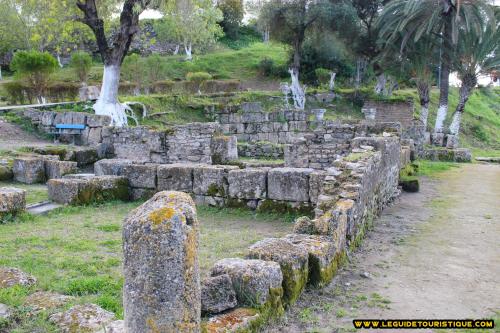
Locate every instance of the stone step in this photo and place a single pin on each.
(41, 208)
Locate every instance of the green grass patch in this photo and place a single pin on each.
(431, 169)
(34, 193)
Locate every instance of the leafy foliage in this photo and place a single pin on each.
(81, 62)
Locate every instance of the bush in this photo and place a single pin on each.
(266, 67)
(322, 75)
(233, 12)
(198, 77)
(34, 68)
(81, 62)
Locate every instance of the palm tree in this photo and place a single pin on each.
(475, 56)
(442, 19)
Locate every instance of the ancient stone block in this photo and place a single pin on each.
(12, 200)
(217, 294)
(292, 259)
(176, 177)
(254, 281)
(29, 170)
(316, 179)
(211, 180)
(296, 155)
(323, 261)
(248, 183)
(162, 286)
(117, 326)
(5, 312)
(288, 184)
(452, 141)
(88, 190)
(57, 169)
(224, 149)
(95, 120)
(44, 300)
(437, 139)
(141, 193)
(86, 155)
(82, 318)
(88, 93)
(141, 176)
(251, 107)
(10, 277)
(112, 167)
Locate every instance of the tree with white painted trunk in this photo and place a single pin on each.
(443, 20)
(113, 52)
(475, 56)
(191, 23)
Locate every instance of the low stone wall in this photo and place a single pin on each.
(261, 150)
(381, 111)
(45, 121)
(12, 201)
(184, 143)
(461, 155)
(277, 189)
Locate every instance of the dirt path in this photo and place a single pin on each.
(434, 254)
(12, 136)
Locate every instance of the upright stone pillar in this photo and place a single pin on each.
(162, 281)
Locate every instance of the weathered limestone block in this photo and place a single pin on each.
(217, 294)
(162, 282)
(95, 120)
(323, 261)
(237, 320)
(316, 179)
(82, 318)
(405, 156)
(86, 155)
(70, 118)
(141, 176)
(141, 193)
(10, 277)
(44, 300)
(452, 141)
(29, 170)
(462, 155)
(206, 200)
(437, 139)
(248, 183)
(6, 173)
(292, 259)
(288, 184)
(5, 312)
(111, 167)
(212, 180)
(12, 200)
(224, 149)
(255, 281)
(57, 169)
(117, 326)
(176, 177)
(297, 155)
(88, 190)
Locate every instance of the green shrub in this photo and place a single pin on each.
(266, 67)
(34, 68)
(81, 62)
(322, 75)
(198, 77)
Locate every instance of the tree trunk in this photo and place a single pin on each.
(423, 94)
(381, 82)
(108, 104)
(1, 78)
(468, 84)
(176, 51)
(331, 85)
(445, 75)
(298, 92)
(59, 61)
(266, 35)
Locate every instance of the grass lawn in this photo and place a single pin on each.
(78, 251)
(34, 193)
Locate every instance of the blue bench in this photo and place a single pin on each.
(70, 129)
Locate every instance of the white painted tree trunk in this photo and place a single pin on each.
(331, 85)
(266, 35)
(298, 91)
(424, 114)
(176, 51)
(380, 86)
(440, 117)
(1, 78)
(188, 47)
(108, 104)
(455, 123)
(59, 60)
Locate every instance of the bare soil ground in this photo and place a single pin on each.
(12, 136)
(434, 254)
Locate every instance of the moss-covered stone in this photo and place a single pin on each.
(284, 207)
(6, 173)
